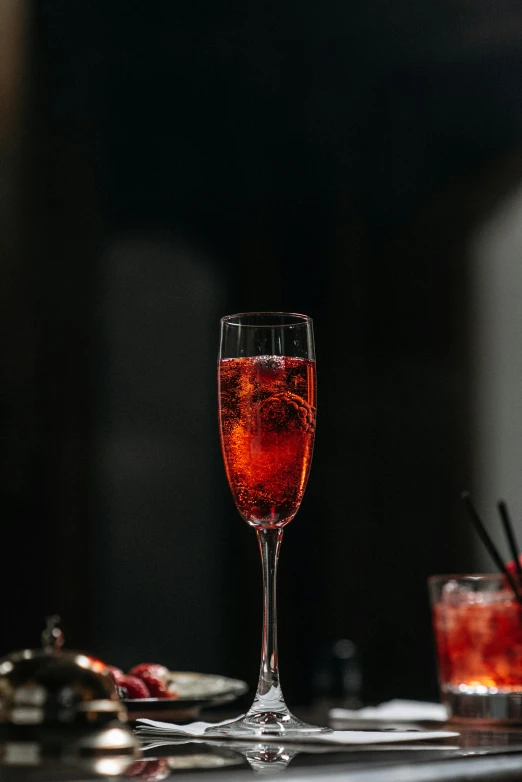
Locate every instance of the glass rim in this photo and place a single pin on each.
(439, 578)
(300, 319)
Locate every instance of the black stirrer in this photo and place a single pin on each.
(510, 536)
(488, 543)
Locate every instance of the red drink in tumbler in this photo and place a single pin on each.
(478, 636)
(267, 412)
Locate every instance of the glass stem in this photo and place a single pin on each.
(269, 697)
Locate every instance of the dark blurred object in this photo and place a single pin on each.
(338, 677)
(52, 636)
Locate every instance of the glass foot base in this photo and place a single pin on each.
(267, 725)
(488, 707)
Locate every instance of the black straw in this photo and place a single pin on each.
(510, 536)
(488, 543)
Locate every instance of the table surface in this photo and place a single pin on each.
(479, 753)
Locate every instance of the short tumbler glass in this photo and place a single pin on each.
(477, 624)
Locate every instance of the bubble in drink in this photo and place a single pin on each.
(269, 368)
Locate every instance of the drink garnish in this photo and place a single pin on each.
(510, 537)
(488, 543)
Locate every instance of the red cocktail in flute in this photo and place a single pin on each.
(267, 409)
(267, 419)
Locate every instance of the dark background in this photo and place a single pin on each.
(163, 164)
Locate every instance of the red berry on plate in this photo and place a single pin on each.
(154, 676)
(156, 685)
(154, 668)
(134, 687)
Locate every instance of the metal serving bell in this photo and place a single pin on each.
(64, 692)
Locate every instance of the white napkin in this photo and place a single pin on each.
(197, 729)
(395, 711)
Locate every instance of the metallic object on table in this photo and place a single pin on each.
(52, 635)
(61, 696)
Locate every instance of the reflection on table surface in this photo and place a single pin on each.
(194, 759)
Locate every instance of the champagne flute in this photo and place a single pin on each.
(267, 407)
